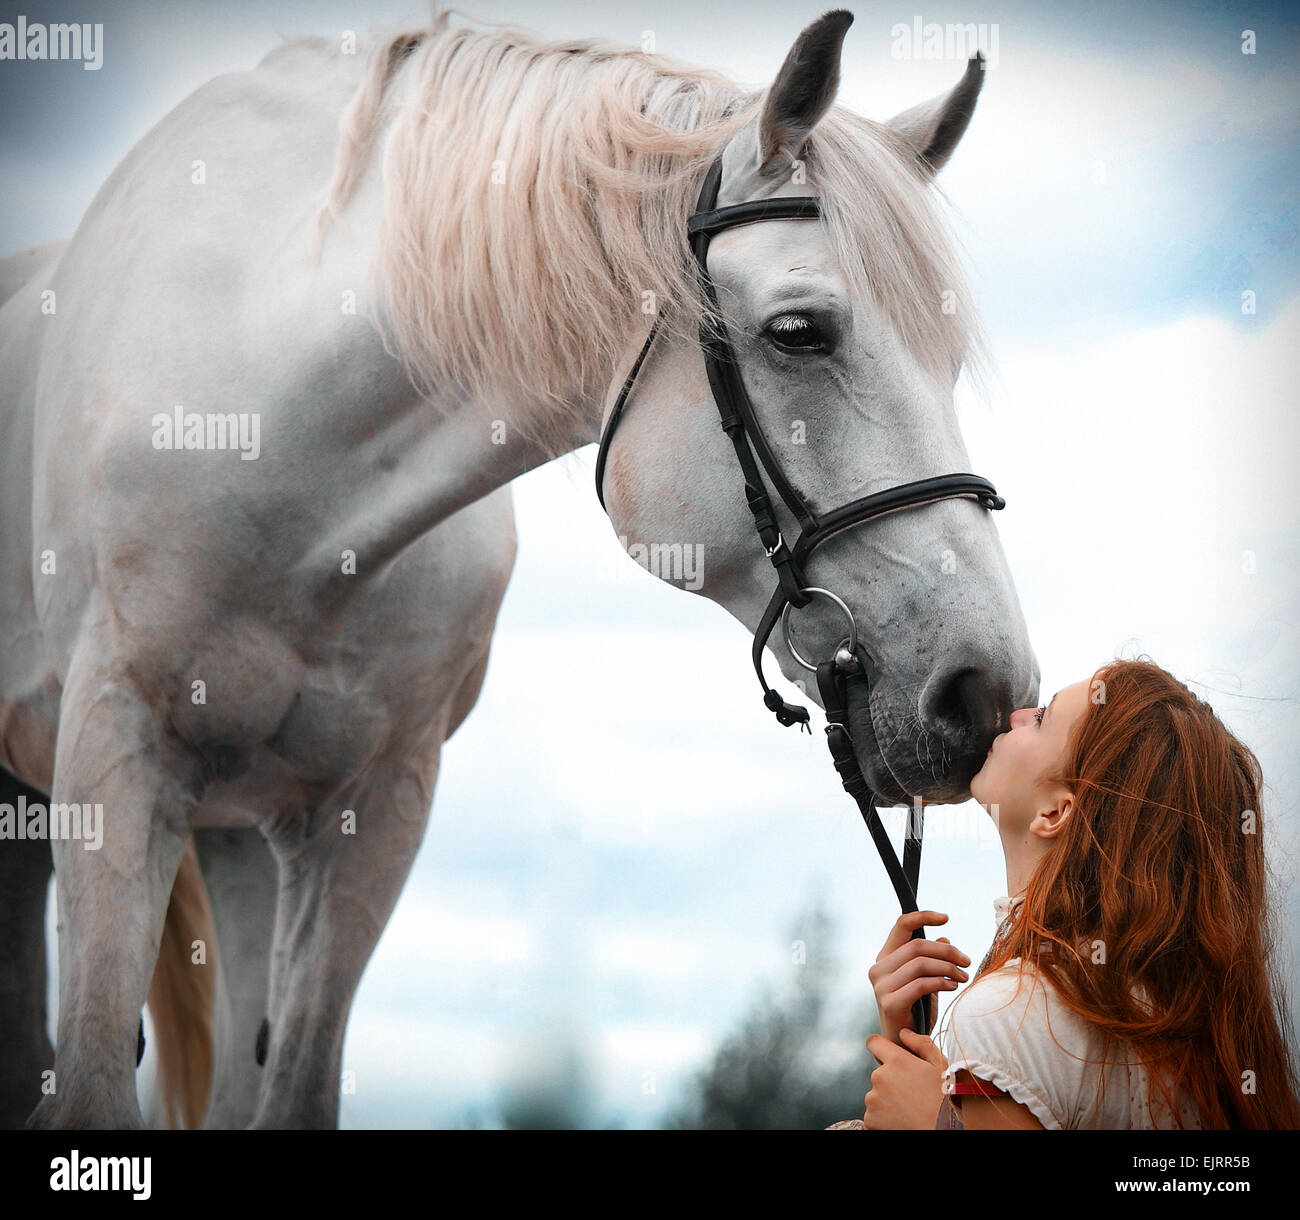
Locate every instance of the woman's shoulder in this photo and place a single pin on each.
(1016, 983)
(1012, 1027)
(996, 1030)
(1019, 999)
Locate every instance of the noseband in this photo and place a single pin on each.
(793, 591)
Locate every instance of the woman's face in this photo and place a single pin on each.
(1012, 784)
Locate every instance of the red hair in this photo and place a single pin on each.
(1150, 915)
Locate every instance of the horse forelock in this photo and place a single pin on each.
(535, 198)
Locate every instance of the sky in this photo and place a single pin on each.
(631, 875)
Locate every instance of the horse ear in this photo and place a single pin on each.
(802, 92)
(933, 128)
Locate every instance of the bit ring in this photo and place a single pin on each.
(852, 642)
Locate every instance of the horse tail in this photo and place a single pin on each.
(182, 1000)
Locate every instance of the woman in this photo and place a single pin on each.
(1130, 984)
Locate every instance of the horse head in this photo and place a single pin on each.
(848, 337)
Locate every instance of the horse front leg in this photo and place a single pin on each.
(341, 869)
(136, 790)
(241, 879)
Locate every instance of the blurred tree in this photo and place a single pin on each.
(783, 1068)
(550, 1089)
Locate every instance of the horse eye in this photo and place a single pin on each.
(796, 332)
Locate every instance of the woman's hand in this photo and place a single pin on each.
(907, 1087)
(908, 969)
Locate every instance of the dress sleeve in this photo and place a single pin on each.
(1000, 1030)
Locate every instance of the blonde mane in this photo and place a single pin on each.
(536, 192)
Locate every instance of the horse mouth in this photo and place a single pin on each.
(901, 779)
(871, 758)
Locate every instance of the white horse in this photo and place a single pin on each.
(258, 421)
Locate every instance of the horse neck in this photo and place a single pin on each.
(470, 442)
(524, 426)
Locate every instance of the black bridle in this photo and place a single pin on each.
(793, 591)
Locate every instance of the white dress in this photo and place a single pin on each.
(1015, 1033)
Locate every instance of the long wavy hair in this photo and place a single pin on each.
(1151, 915)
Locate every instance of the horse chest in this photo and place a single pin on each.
(333, 729)
(250, 703)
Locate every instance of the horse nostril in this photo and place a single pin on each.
(965, 708)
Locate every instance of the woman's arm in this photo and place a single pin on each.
(1001, 1035)
(906, 1092)
(994, 1114)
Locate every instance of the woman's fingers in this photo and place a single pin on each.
(918, 967)
(910, 968)
(887, 964)
(923, 1047)
(896, 1011)
(911, 992)
(896, 999)
(906, 924)
(899, 990)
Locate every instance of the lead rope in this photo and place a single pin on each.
(831, 682)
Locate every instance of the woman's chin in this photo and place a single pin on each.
(984, 792)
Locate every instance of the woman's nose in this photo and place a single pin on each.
(1022, 714)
